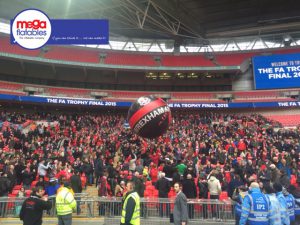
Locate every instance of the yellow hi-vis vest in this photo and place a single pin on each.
(135, 219)
(65, 202)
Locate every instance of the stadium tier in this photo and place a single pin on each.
(257, 94)
(114, 95)
(5, 46)
(286, 120)
(192, 95)
(72, 54)
(78, 54)
(183, 61)
(11, 86)
(130, 59)
(69, 92)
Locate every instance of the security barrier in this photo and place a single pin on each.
(110, 208)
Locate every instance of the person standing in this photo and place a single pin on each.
(32, 208)
(163, 187)
(285, 219)
(190, 191)
(65, 204)
(131, 206)
(238, 197)
(4, 190)
(215, 190)
(275, 216)
(76, 186)
(42, 169)
(290, 202)
(180, 212)
(255, 207)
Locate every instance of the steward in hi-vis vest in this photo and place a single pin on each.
(255, 207)
(131, 206)
(65, 204)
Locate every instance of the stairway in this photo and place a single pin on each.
(92, 191)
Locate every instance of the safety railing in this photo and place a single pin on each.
(111, 207)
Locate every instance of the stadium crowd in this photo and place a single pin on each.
(208, 152)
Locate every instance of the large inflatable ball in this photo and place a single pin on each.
(149, 116)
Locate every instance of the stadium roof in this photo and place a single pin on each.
(182, 22)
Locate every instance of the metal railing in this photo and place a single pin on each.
(111, 207)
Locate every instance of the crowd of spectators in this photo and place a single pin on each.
(208, 152)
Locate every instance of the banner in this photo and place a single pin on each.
(32, 29)
(276, 71)
(98, 103)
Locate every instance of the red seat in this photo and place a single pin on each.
(155, 193)
(11, 204)
(293, 179)
(17, 187)
(33, 184)
(223, 195)
(148, 183)
(15, 192)
(147, 193)
(28, 192)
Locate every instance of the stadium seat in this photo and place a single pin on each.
(72, 54)
(15, 192)
(33, 184)
(17, 187)
(5, 46)
(130, 59)
(27, 192)
(223, 196)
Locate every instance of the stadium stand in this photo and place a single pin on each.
(72, 54)
(130, 59)
(69, 92)
(286, 120)
(192, 95)
(256, 94)
(11, 86)
(233, 59)
(185, 60)
(6, 47)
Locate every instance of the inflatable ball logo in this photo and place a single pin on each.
(149, 117)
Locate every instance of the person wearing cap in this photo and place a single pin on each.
(238, 197)
(65, 204)
(255, 207)
(131, 206)
(32, 208)
(285, 219)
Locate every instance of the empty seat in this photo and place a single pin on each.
(73, 54)
(130, 59)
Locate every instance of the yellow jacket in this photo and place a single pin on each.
(65, 202)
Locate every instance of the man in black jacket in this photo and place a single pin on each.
(163, 186)
(76, 186)
(140, 188)
(4, 189)
(190, 191)
(33, 207)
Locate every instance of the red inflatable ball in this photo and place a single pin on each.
(149, 116)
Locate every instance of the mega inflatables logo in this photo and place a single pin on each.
(31, 29)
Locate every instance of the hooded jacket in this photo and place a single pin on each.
(214, 186)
